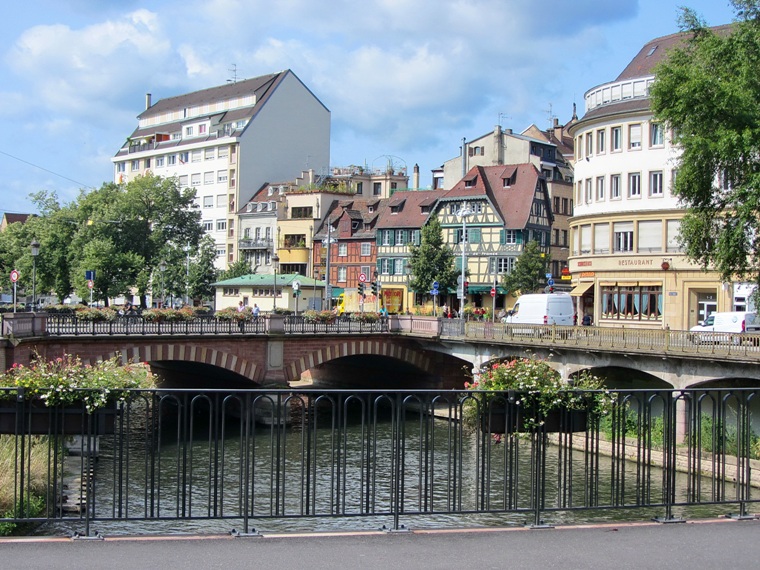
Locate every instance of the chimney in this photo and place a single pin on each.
(147, 101)
(416, 177)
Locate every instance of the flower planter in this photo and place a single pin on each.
(515, 419)
(38, 419)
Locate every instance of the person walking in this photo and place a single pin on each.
(256, 311)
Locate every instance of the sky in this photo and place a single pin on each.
(405, 80)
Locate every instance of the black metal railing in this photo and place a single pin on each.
(299, 325)
(377, 458)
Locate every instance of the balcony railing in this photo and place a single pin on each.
(249, 243)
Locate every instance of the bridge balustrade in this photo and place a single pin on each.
(383, 457)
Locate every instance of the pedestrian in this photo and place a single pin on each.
(586, 320)
(241, 307)
(256, 311)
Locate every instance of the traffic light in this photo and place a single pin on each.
(361, 289)
(551, 289)
(374, 288)
(464, 288)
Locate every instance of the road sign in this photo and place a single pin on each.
(296, 285)
(460, 292)
(14, 276)
(90, 283)
(459, 279)
(436, 285)
(328, 292)
(567, 278)
(90, 274)
(434, 292)
(548, 275)
(493, 291)
(362, 277)
(550, 282)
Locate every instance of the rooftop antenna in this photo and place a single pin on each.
(503, 116)
(551, 114)
(233, 70)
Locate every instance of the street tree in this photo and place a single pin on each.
(237, 269)
(432, 260)
(529, 273)
(707, 93)
(202, 270)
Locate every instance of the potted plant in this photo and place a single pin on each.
(526, 394)
(59, 395)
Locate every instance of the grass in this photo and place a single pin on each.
(36, 467)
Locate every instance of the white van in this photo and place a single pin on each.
(542, 309)
(722, 327)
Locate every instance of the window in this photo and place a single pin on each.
(257, 233)
(121, 167)
(135, 165)
(196, 156)
(589, 144)
(617, 138)
(188, 131)
(208, 225)
(359, 187)
(220, 252)
(510, 237)
(221, 225)
(564, 205)
(171, 160)
(366, 249)
(301, 212)
(377, 188)
(201, 129)
(615, 186)
(630, 302)
(588, 196)
(655, 183)
(208, 177)
(342, 249)
(208, 201)
(183, 180)
(223, 152)
(398, 266)
(184, 157)
(601, 141)
(656, 135)
(556, 204)
(386, 237)
(195, 179)
(501, 264)
(634, 136)
(221, 176)
(600, 188)
(623, 234)
(209, 154)
(634, 185)
(385, 266)
(400, 237)
(159, 161)
(564, 238)
(342, 274)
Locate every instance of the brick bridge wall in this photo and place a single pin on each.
(258, 358)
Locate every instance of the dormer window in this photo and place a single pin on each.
(470, 182)
(370, 209)
(507, 182)
(270, 191)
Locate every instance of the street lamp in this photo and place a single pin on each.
(463, 213)
(35, 245)
(162, 268)
(327, 241)
(275, 266)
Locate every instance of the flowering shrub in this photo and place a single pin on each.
(169, 315)
(66, 380)
(319, 316)
(365, 317)
(232, 314)
(538, 389)
(95, 314)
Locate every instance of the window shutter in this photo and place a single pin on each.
(379, 237)
(475, 235)
(519, 236)
(502, 237)
(392, 240)
(416, 237)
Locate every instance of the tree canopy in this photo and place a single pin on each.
(708, 93)
(432, 260)
(529, 273)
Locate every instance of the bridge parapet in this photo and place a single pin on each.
(21, 325)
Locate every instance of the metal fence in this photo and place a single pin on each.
(249, 459)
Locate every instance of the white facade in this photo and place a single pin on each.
(226, 142)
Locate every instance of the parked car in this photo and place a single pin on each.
(724, 327)
(541, 309)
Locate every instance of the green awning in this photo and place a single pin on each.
(476, 289)
(337, 292)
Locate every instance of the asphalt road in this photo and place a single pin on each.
(694, 545)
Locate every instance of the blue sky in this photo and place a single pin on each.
(402, 78)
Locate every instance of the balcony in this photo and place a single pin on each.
(255, 244)
(293, 255)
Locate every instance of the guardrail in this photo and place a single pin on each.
(373, 457)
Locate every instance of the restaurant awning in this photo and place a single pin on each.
(581, 288)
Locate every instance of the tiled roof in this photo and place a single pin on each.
(513, 203)
(404, 209)
(13, 218)
(264, 280)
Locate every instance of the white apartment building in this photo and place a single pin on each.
(226, 142)
(626, 262)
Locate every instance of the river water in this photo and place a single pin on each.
(190, 479)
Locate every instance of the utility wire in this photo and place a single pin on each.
(46, 170)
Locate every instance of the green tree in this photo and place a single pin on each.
(708, 93)
(238, 269)
(202, 270)
(432, 260)
(529, 273)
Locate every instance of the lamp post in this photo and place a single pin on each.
(187, 275)
(35, 245)
(328, 241)
(463, 212)
(162, 268)
(275, 263)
